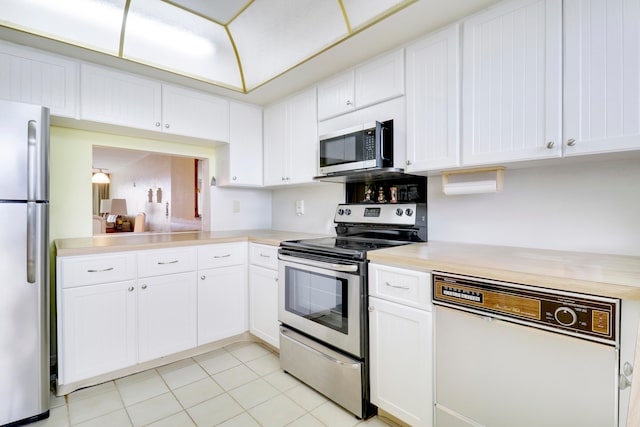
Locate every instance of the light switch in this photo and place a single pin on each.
(299, 207)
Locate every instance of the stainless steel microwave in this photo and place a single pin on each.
(362, 147)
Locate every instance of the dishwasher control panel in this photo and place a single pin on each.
(580, 315)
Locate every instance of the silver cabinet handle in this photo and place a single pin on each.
(349, 103)
(234, 178)
(167, 262)
(166, 126)
(100, 271)
(397, 286)
(203, 277)
(408, 162)
(221, 256)
(371, 308)
(131, 288)
(144, 286)
(571, 142)
(157, 124)
(265, 256)
(550, 145)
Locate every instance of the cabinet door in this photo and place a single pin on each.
(113, 97)
(602, 76)
(98, 330)
(336, 96)
(263, 304)
(167, 314)
(512, 75)
(222, 303)
(240, 162)
(29, 76)
(380, 79)
(196, 114)
(276, 137)
(433, 119)
(401, 354)
(303, 138)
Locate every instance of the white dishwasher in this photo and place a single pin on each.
(509, 355)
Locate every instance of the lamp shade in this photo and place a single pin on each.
(100, 178)
(118, 207)
(105, 206)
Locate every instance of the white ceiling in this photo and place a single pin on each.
(420, 17)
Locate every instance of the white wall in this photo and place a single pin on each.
(320, 200)
(587, 207)
(240, 209)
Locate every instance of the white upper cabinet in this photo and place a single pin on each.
(114, 97)
(602, 76)
(433, 99)
(192, 113)
(29, 76)
(512, 83)
(291, 140)
(240, 162)
(373, 82)
(336, 96)
(117, 98)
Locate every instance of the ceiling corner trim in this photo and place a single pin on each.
(125, 14)
(346, 17)
(233, 18)
(235, 51)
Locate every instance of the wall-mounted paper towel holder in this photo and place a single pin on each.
(474, 186)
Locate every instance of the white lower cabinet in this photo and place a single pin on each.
(167, 315)
(119, 309)
(401, 344)
(263, 293)
(97, 329)
(222, 303)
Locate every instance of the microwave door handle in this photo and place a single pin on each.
(382, 128)
(347, 268)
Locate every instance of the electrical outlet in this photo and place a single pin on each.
(236, 206)
(299, 207)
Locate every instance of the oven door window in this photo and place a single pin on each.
(317, 297)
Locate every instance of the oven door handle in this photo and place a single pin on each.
(347, 268)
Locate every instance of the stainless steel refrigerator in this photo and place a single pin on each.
(24, 262)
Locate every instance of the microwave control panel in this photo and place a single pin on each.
(370, 144)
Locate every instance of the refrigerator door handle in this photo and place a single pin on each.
(32, 234)
(32, 160)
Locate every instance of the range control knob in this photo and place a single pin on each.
(347, 211)
(409, 212)
(399, 212)
(566, 316)
(340, 211)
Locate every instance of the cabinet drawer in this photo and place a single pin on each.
(94, 269)
(166, 261)
(263, 255)
(222, 255)
(408, 287)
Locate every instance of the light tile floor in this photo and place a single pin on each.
(240, 385)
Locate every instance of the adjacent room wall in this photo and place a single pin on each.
(71, 158)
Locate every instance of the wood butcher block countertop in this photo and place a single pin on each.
(615, 276)
(141, 241)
